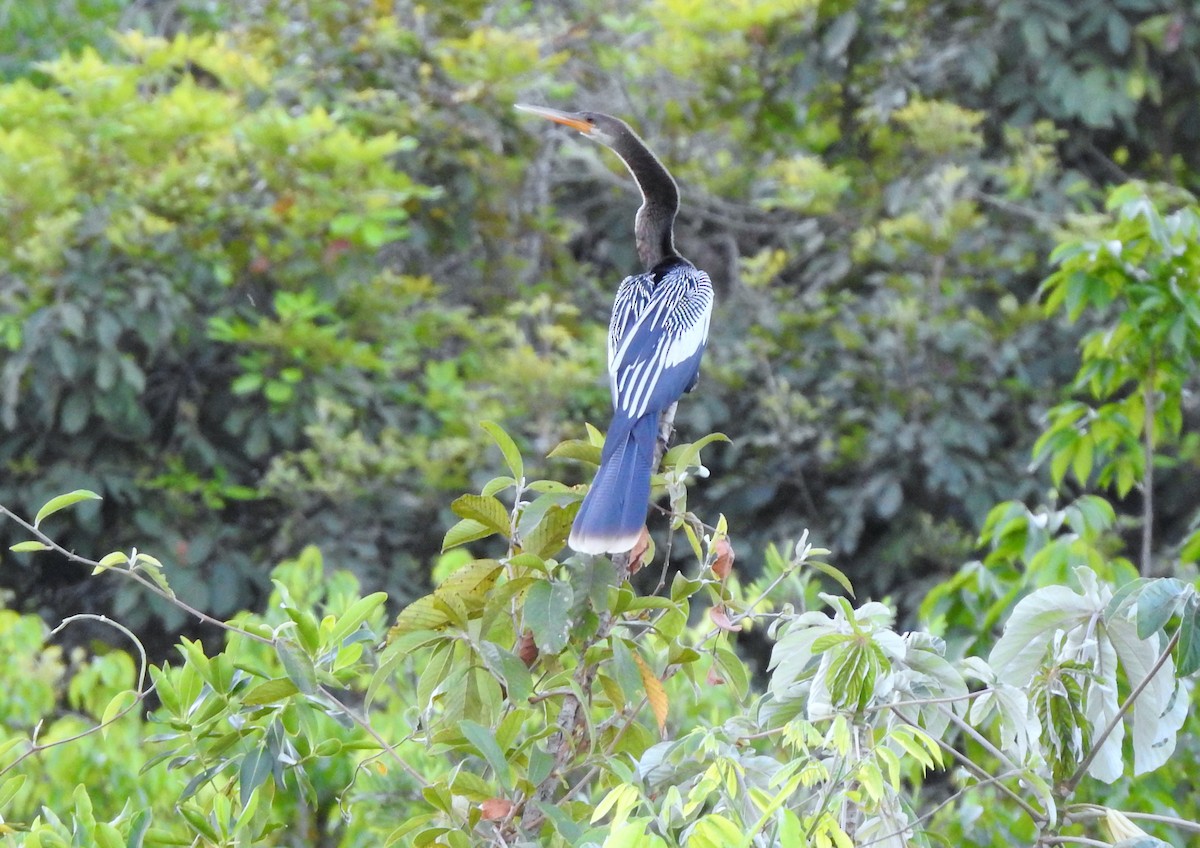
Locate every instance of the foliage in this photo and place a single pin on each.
(537, 699)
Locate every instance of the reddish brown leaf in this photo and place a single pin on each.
(495, 809)
(721, 618)
(638, 554)
(527, 649)
(723, 564)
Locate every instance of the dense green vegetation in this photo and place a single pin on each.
(281, 280)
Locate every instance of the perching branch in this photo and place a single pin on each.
(562, 744)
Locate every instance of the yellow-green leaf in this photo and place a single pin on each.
(270, 691)
(466, 530)
(486, 510)
(121, 701)
(62, 502)
(26, 547)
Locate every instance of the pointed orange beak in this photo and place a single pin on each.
(567, 119)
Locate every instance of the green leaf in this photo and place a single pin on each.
(486, 510)
(31, 545)
(688, 455)
(508, 668)
(577, 449)
(10, 787)
(298, 666)
(256, 768)
(270, 691)
(62, 502)
(109, 560)
(484, 743)
(1189, 641)
(550, 534)
(119, 702)
(358, 612)
(512, 456)
(466, 530)
(546, 606)
(829, 571)
(715, 831)
(1157, 603)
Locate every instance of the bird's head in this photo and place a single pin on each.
(595, 125)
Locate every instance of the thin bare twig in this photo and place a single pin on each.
(980, 772)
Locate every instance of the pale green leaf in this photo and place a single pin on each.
(27, 547)
(512, 456)
(358, 612)
(62, 502)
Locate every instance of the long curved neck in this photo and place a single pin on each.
(654, 226)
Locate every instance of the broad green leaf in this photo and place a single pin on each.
(465, 531)
(577, 449)
(358, 612)
(297, 665)
(419, 616)
(487, 511)
(547, 603)
(484, 743)
(512, 456)
(627, 672)
(552, 531)
(10, 787)
(508, 668)
(270, 691)
(471, 583)
(716, 831)
(62, 502)
(1188, 650)
(256, 768)
(1157, 602)
(688, 455)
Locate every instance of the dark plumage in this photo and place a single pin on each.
(656, 339)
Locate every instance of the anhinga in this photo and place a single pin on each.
(656, 338)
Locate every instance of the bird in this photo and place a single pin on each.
(656, 339)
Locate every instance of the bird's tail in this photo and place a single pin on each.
(614, 510)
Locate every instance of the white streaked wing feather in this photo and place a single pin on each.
(681, 304)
